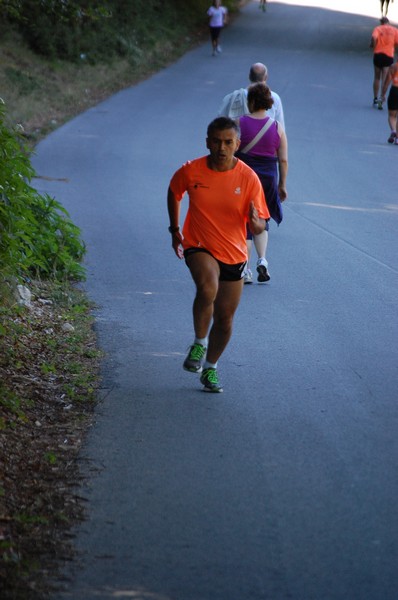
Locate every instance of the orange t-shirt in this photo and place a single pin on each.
(385, 39)
(218, 207)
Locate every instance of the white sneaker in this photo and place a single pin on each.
(262, 270)
(248, 276)
(219, 49)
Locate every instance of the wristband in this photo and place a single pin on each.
(173, 229)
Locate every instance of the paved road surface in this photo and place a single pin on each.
(285, 486)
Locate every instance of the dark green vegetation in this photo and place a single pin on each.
(56, 59)
(37, 238)
(102, 30)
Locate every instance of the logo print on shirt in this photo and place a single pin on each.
(237, 191)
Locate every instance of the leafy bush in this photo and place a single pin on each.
(37, 237)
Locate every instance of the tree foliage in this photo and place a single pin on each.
(100, 30)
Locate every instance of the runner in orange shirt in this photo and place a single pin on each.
(224, 195)
(392, 102)
(384, 39)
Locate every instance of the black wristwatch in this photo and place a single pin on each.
(173, 229)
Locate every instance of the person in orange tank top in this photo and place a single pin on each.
(392, 102)
(224, 195)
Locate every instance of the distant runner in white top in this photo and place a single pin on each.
(218, 18)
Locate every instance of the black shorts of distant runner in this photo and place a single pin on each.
(392, 101)
(381, 60)
(215, 33)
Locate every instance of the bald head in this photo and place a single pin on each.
(258, 73)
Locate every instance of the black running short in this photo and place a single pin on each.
(215, 33)
(227, 272)
(392, 100)
(382, 60)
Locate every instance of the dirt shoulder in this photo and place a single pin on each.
(49, 373)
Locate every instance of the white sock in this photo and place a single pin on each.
(201, 341)
(209, 365)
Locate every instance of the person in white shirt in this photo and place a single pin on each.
(234, 105)
(218, 18)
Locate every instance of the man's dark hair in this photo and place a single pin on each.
(222, 123)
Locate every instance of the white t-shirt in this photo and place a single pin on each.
(217, 16)
(234, 105)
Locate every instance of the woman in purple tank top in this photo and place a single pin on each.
(264, 148)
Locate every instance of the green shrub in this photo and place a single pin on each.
(37, 237)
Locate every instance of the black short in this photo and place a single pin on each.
(215, 33)
(227, 272)
(392, 100)
(382, 60)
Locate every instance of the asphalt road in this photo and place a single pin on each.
(285, 486)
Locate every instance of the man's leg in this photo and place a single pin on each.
(205, 272)
(393, 123)
(384, 73)
(376, 81)
(261, 243)
(249, 244)
(248, 275)
(225, 305)
(392, 119)
(214, 41)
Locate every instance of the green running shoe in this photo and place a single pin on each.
(195, 359)
(209, 378)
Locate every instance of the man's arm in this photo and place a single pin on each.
(256, 224)
(173, 208)
(373, 38)
(225, 17)
(279, 116)
(277, 109)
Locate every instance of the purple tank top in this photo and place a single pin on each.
(267, 145)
